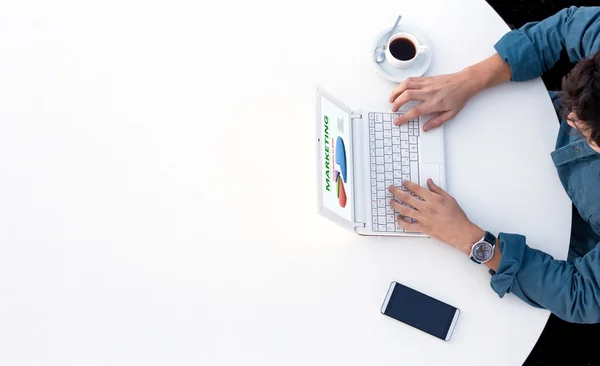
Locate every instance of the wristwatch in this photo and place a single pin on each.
(483, 250)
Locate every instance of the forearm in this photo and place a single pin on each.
(536, 47)
(485, 74)
(570, 290)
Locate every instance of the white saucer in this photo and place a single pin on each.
(416, 69)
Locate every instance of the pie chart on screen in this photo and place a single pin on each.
(341, 176)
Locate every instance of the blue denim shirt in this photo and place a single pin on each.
(570, 289)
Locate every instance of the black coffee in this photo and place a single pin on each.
(403, 49)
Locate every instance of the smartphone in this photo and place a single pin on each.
(420, 311)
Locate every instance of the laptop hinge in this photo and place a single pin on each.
(356, 118)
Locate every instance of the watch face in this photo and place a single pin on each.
(483, 251)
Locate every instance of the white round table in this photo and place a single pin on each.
(158, 196)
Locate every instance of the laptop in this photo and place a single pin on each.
(360, 153)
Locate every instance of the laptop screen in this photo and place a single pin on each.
(336, 144)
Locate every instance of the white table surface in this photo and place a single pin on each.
(158, 197)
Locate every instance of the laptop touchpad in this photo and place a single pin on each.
(430, 170)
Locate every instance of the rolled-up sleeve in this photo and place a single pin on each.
(569, 290)
(536, 47)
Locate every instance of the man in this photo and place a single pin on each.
(570, 289)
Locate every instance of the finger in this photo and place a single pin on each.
(407, 96)
(416, 189)
(405, 197)
(435, 188)
(413, 113)
(408, 83)
(411, 227)
(405, 210)
(439, 120)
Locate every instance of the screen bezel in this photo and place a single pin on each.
(322, 209)
(450, 328)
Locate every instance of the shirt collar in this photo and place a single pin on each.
(576, 150)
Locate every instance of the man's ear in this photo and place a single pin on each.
(571, 118)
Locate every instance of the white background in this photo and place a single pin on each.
(145, 218)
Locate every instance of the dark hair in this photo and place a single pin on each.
(581, 94)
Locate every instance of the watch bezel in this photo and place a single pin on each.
(482, 242)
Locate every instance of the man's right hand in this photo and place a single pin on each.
(446, 95)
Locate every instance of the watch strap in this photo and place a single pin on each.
(490, 238)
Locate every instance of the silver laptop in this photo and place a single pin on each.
(360, 154)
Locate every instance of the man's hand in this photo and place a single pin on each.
(446, 95)
(437, 213)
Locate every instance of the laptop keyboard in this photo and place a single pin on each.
(394, 154)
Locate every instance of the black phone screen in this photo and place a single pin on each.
(420, 311)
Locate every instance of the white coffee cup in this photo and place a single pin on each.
(402, 64)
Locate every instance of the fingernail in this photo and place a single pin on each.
(425, 128)
(396, 121)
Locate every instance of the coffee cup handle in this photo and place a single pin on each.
(423, 48)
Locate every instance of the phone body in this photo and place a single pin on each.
(420, 311)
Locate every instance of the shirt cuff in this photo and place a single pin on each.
(517, 50)
(512, 248)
